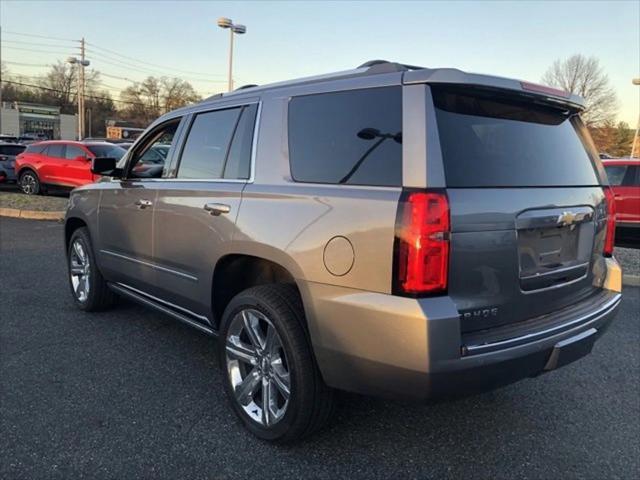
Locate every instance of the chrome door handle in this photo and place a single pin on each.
(142, 203)
(217, 208)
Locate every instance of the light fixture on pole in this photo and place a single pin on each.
(224, 22)
(81, 62)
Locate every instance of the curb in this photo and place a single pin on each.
(631, 280)
(30, 214)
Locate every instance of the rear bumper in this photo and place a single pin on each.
(389, 346)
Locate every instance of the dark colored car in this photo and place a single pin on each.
(8, 153)
(624, 178)
(391, 230)
(60, 163)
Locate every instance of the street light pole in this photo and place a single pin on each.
(635, 81)
(224, 22)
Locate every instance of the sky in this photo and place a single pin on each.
(285, 40)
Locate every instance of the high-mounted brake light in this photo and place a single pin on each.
(534, 87)
(609, 239)
(421, 263)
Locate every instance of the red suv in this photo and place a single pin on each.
(624, 178)
(61, 163)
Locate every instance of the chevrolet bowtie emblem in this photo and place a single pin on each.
(566, 219)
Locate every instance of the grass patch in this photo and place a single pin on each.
(39, 203)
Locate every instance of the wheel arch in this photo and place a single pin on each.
(235, 272)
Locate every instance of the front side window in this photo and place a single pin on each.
(151, 159)
(206, 148)
(107, 150)
(73, 152)
(351, 137)
(631, 178)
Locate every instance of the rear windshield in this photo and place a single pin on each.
(111, 151)
(491, 141)
(12, 149)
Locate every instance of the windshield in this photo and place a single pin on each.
(488, 140)
(111, 151)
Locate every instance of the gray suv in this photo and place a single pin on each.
(390, 230)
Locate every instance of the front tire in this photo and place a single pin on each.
(88, 287)
(30, 183)
(267, 361)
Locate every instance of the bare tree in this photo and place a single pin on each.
(60, 86)
(585, 77)
(154, 96)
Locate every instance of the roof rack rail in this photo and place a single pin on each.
(249, 85)
(382, 66)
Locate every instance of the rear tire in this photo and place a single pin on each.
(88, 287)
(309, 402)
(30, 183)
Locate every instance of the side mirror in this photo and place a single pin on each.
(104, 166)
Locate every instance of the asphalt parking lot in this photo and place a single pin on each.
(132, 394)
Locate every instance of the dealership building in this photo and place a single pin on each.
(31, 120)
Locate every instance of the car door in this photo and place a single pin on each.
(51, 164)
(627, 195)
(125, 217)
(77, 171)
(196, 209)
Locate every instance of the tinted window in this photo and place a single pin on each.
(631, 177)
(615, 173)
(36, 148)
(110, 151)
(11, 149)
(206, 147)
(489, 140)
(56, 150)
(150, 157)
(352, 137)
(238, 162)
(74, 152)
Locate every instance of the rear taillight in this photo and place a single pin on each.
(421, 263)
(609, 238)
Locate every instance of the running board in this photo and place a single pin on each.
(144, 300)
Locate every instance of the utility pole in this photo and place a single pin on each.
(635, 81)
(81, 91)
(81, 62)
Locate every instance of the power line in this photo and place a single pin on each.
(37, 44)
(40, 36)
(57, 52)
(62, 91)
(137, 61)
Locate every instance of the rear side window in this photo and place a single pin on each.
(488, 140)
(238, 161)
(56, 150)
(12, 150)
(351, 137)
(615, 173)
(206, 147)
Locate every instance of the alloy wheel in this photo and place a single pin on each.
(79, 269)
(257, 367)
(28, 183)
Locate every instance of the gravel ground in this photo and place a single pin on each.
(42, 203)
(629, 258)
(130, 393)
